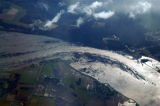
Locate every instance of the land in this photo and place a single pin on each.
(12, 14)
(54, 83)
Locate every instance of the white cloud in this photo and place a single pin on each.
(103, 14)
(132, 8)
(79, 21)
(61, 4)
(44, 6)
(96, 4)
(55, 19)
(73, 7)
(89, 9)
(105, 9)
(139, 8)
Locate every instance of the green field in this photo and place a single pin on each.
(42, 101)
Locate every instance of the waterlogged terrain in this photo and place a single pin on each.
(55, 83)
(79, 52)
(134, 78)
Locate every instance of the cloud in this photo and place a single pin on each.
(43, 6)
(96, 4)
(61, 4)
(103, 14)
(105, 9)
(132, 8)
(79, 21)
(73, 7)
(54, 20)
(89, 9)
(139, 8)
(84, 8)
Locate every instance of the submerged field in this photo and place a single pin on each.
(55, 83)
